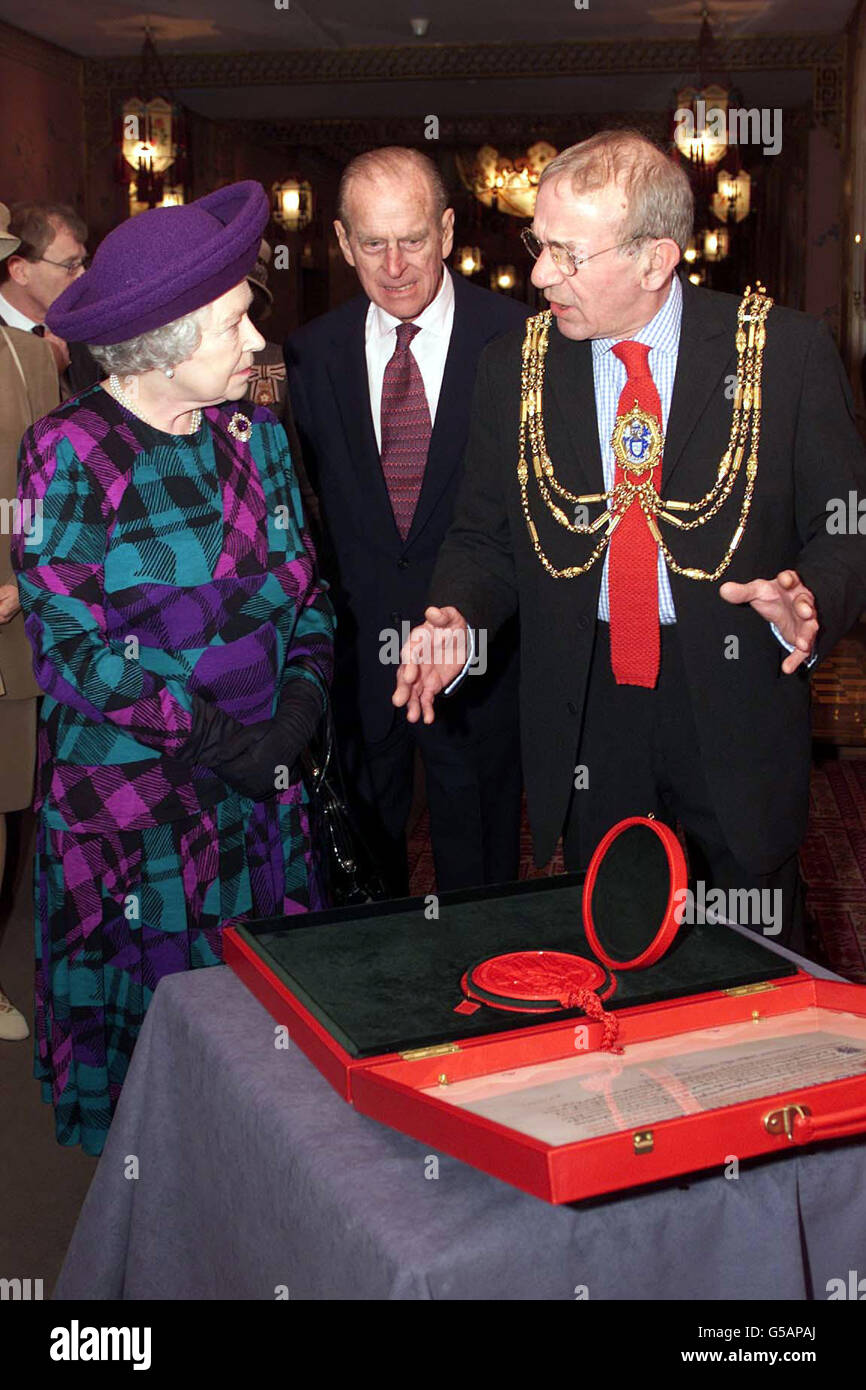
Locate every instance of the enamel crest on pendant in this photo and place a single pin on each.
(637, 440)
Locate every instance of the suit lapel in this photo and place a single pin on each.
(706, 347)
(348, 372)
(570, 385)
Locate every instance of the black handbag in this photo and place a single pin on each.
(348, 868)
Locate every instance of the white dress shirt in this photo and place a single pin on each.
(13, 317)
(429, 348)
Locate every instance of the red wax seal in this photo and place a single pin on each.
(541, 982)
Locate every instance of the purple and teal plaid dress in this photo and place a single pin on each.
(167, 566)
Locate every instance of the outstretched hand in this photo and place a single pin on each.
(788, 604)
(432, 657)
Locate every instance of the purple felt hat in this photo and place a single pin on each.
(163, 264)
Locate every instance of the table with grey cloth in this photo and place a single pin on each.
(233, 1170)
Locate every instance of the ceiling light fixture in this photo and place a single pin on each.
(503, 184)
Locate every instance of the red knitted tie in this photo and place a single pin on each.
(406, 429)
(633, 566)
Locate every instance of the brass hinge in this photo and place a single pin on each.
(418, 1053)
(736, 990)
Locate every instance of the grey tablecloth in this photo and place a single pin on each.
(255, 1181)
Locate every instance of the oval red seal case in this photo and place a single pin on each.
(630, 898)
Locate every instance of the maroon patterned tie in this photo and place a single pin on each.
(406, 429)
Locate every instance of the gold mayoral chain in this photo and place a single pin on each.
(638, 445)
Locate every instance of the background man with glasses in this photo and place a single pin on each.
(381, 389)
(642, 689)
(51, 254)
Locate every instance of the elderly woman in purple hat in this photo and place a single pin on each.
(182, 638)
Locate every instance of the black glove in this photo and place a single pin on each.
(216, 735)
(250, 764)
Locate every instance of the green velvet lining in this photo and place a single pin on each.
(384, 978)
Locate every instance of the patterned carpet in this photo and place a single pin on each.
(833, 861)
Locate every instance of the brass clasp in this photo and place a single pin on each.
(781, 1121)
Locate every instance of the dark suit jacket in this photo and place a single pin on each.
(379, 580)
(83, 369)
(752, 720)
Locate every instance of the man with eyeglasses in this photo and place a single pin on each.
(52, 254)
(650, 684)
(381, 390)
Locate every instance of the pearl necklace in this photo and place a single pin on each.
(118, 392)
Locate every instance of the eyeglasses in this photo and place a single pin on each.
(70, 267)
(562, 258)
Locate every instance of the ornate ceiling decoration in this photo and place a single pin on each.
(450, 61)
(342, 139)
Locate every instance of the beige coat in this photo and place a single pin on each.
(28, 390)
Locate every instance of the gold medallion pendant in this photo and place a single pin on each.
(637, 443)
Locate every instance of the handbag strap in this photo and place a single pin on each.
(317, 770)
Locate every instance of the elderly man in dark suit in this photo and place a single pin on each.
(381, 390)
(648, 686)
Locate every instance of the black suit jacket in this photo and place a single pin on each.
(379, 580)
(83, 369)
(752, 720)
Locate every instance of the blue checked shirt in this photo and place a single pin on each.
(609, 375)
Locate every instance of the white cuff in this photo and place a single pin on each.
(457, 679)
(788, 648)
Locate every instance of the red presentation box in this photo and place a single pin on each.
(723, 1047)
